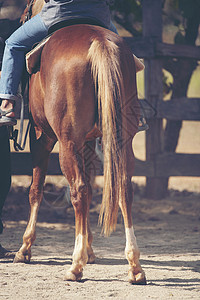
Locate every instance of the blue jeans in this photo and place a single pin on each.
(17, 45)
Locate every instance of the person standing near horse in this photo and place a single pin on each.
(33, 31)
(5, 172)
(5, 177)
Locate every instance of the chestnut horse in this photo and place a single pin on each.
(86, 81)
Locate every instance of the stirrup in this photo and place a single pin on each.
(143, 126)
(7, 121)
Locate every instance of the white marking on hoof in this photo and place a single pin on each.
(70, 276)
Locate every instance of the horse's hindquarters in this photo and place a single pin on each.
(87, 74)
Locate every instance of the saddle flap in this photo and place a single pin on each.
(33, 56)
(139, 66)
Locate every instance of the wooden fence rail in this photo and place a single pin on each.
(146, 47)
(164, 165)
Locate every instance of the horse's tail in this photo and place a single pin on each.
(105, 64)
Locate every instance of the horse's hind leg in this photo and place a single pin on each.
(136, 275)
(90, 252)
(72, 165)
(40, 155)
(89, 154)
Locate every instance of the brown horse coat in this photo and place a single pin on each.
(86, 79)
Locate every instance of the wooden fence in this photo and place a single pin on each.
(158, 165)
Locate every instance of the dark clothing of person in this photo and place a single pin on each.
(56, 11)
(5, 169)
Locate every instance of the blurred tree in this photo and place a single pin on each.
(128, 13)
(10, 12)
(182, 14)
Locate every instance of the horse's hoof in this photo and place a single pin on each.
(22, 258)
(139, 278)
(19, 258)
(70, 276)
(91, 258)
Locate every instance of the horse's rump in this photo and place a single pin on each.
(67, 48)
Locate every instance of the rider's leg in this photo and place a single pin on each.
(17, 45)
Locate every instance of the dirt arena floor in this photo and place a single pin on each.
(167, 231)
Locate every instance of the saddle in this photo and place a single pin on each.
(33, 56)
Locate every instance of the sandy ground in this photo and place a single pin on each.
(167, 233)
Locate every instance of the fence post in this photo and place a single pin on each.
(152, 28)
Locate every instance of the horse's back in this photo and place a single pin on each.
(73, 42)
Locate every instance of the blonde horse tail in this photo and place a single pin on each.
(105, 65)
